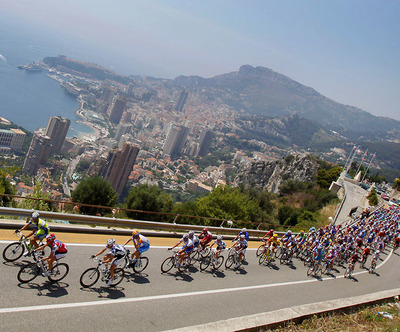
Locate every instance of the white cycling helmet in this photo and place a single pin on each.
(191, 233)
(110, 242)
(219, 237)
(244, 230)
(35, 215)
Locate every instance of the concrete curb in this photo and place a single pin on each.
(280, 317)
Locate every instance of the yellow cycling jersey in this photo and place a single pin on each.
(274, 240)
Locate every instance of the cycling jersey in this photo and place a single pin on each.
(220, 245)
(246, 235)
(59, 247)
(207, 236)
(140, 241)
(196, 240)
(117, 250)
(39, 224)
(242, 243)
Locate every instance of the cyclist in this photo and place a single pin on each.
(318, 255)
(365, 254)
(273, 242)
(116, 251)
(240, 246)
(330, 257)
(186, 249)
(58, 250)
(301, 238)
(242, 232)
(221, 245)
(141, 244)
(206, 238)
(267, 236)
(41, 230)
(195, 239)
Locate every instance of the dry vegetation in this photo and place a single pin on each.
(366, 319)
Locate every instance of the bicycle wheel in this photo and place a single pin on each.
(284, 258)
(185, 265)
(59, 272)
(262, 258)
(205, 263)
(310, 271)
(229, 261)
(205, 252)
(218, 262)
(168, 264)
(195, 256)
(260, 250)
(89, 277)
(324, 268)
(28, 273)
(119, 275)
(13, 251)
(278, 252)
(141, 264)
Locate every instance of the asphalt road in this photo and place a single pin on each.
(154, 301)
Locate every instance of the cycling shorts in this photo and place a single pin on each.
(59, 255)
(118, 259)
(188, 250)
(144, 247)
(41, 233)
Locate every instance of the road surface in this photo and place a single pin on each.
(154, 301)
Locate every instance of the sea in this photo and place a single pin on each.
(28, 99)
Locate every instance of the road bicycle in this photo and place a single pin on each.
(16, 249)
(372, 267)
(199, 253)
(30, 271)
(286, 256)
(314, 269)
(233, 258)
(174, 262)
(267, 256)
(138, 266)
(90, 276)
(349, 271)
(261, 249)
(211, 259)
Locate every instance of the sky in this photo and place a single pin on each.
(348, 50)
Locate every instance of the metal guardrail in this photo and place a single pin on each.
(124, 223)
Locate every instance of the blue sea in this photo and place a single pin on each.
(29, 99)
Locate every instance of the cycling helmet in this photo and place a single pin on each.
(301, 231)
(275, 236)
(242, 236)
(289, 231)
(35, 215)
(186, 236)
(110, 242)
(271, 230)
(191, 233)
(50, 237)
(219, 238)
(205, 229)
(135, 232)
(244, 230)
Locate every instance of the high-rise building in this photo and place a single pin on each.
(12, 138)
(38, 153)
(117, 108)
(182, 100)
(176, 139)
(120, 164)
(205, 140)
(122, 129)
(57, 129)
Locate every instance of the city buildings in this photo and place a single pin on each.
(205, 140)
(116, 109)
(38, 153)
(11, 139)
(182, 100)
(119, 165)
(176, 139)
(57, 129)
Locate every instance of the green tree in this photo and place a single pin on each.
(5, 185)
(228, 203)
(41, 204)
(94, 191)
(373, 197)
(325, 177)
(148, 198)
(288, 215)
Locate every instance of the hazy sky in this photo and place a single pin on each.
(348, 50)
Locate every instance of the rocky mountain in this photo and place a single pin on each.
(262, 91)
(270, 175)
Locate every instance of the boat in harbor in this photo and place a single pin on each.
(33, 68)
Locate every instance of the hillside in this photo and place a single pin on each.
(259, 90)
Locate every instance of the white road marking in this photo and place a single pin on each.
(170, 296)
